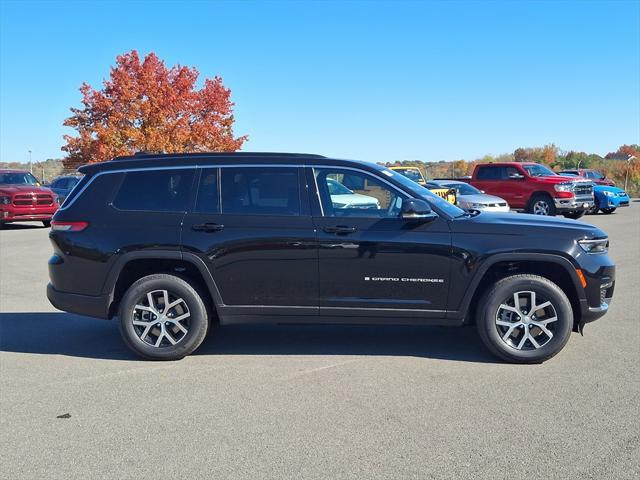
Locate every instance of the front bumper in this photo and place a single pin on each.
(81, 304)
(573, 204)
(8, 213)
(613, 202)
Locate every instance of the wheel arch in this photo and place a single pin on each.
(556, 268)
(134, 265)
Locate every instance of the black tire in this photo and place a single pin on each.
(574, 215)
(540, 204)
(46, 223)
(493, 335)
(193, 304)
(608, 211)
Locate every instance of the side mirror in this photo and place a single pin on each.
(417, 209)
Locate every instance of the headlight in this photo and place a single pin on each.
(339, 205)
(564, 187)
(609, 194)
(600, 245)
(4, 200)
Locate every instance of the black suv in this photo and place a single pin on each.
(171, 243)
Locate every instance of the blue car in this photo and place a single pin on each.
(609, 198)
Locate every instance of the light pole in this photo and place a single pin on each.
(30, 162)
(579, 162)
(626, 177)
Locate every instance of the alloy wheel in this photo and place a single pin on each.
(526, 321)
(161, 319)
(541, 207)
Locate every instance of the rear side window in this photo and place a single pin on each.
(155, 191)
(207, 201)
(489, 173)
(260, 191)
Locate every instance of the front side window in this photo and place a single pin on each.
(347, 193)
(155, 191)
(260, 191)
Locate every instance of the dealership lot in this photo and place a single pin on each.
(312, 402)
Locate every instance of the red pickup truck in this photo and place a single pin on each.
(22, 199)
(535, 188)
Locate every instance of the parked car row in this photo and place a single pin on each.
(531, 188)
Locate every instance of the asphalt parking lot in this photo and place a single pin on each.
(312, 402)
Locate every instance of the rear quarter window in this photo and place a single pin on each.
(155, 190)
(489, 173)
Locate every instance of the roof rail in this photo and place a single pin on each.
(149, 155)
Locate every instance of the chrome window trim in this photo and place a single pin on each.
(178, 167)
(232, 165)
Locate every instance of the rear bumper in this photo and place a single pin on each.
(81, 304)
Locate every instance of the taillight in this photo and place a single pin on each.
(69, 226)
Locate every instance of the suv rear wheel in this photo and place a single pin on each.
(525, 319)
(163, 317)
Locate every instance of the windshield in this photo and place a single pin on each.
(336, 188)
(18, 178)
(423, 193)
(538, 170)
(410, 173)
(463, 188)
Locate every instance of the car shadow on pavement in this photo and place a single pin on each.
(56, 333)
(23, 226)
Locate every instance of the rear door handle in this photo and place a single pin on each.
(207, 227)
(340, 229)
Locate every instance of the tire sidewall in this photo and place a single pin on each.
(176, 286)
(486, 320)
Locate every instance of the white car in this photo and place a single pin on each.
(342, 197)
(470, 198)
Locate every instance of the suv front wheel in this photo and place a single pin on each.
(525, 319)
(162, 317)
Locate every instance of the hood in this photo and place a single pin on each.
(607, 188)
(524, 224)
(481, 198)
(19, 188)
(555, 179)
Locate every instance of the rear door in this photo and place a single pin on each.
(252, 227)
(373, 263)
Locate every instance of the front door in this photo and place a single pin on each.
(371, 261)
(252, 227)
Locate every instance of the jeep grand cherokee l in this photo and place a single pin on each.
(169, 243)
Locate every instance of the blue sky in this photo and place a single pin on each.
(371, 80)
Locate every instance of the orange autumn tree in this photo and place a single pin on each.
(145, 106)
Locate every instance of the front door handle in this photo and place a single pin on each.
(207, 227)
(340, 229)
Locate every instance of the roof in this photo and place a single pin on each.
(506, 164)
(145, 160)
(13, 170)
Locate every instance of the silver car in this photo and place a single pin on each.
(470, 198)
